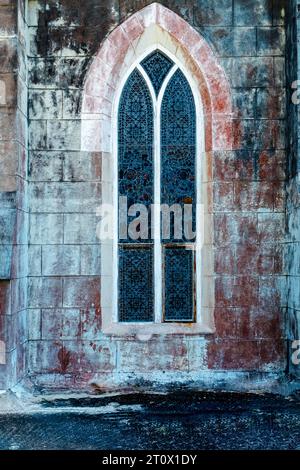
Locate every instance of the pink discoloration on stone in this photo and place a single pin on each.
(222, 133)
(97, 89)
(212, 82)
(103, 105)
(191, 40)
(132, 28)
(171, 22)
(90, 323)
(147, 16)
(120, 41)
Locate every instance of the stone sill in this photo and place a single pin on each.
(144, 331)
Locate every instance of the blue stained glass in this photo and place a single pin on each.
(178, 147)
(136, 177)
(136, 291)
(135, 141)
(157, 66)
(179, 284)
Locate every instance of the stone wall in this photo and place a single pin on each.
(292, 248)
(13, 198)
(66, 345)
(50, 270)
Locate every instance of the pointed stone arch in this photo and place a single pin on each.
(155, 26)
(122, 48)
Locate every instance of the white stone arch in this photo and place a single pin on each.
(145, 31)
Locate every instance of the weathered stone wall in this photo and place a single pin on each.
(13, 209)
(292, 248)
(66, 346)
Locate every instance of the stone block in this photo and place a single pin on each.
(82, 166)
(60, 324)
(270, 134)
(46, 166)
(230, 42)
(8, 90)
(34, 260)
(44, 292)
(5, 261)
(45, 104)
(37, 135)
(90, 261)
(90, 324)
(270, 41)
(33, 9)
(271, 226)
(8, 20)
(7, 224)
(71, 72)
(42, 72)
(265, 324)
(8, 184)
(8, 55)
(279, 71)
(271, 103)
(252, 12)
(146, 356)
(232, 323)
(63, 135)
(244, 100)
(236, 291)
(215, 12)
(84, 358)
(271, 165)
(230, 165)
(64, 197)
(82, 291)
(272, 354)
(254, 196)
(60, 260)
(4, 298)
(224, 260)
(72, 104)
(34, 324)
(272, 291)
(234, 354)
(18, 295)
(252, 72)
(8, 129)
(223, 196)
(80, 228)
(279, 196)
(43, 356)
(244, 133)
(235, 228)
(46, 229)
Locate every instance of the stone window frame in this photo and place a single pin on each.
(155, 27)
(157, 104)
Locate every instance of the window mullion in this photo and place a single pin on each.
(156, 219)
(158, 274)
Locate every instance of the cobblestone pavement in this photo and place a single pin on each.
(181, 421)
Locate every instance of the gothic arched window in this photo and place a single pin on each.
(157, 186)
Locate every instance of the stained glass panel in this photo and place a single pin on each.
(136, 177)
(136, 291)
(178, 147)
(157, 66)
(179, 284)
(136, 144)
